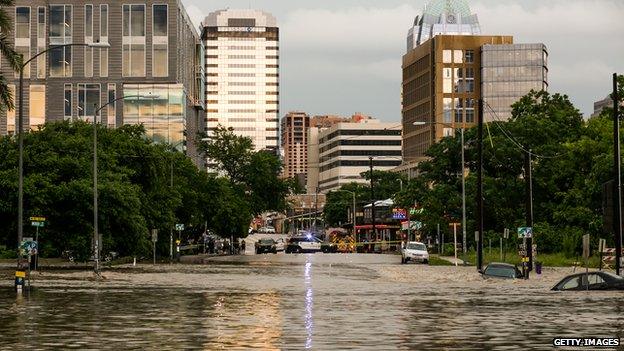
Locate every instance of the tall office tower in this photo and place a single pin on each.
(294, 129)
(154, 49)
(508, 72)
(450, 17)
(345, 148)
(242, 74)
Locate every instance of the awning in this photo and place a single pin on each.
(377, 226)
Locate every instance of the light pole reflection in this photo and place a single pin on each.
(309, 303)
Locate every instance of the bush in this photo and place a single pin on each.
(448, 249)
(6, 253)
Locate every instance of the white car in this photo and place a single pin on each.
(280, 244)
(415, 251)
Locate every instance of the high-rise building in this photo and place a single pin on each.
(601, 105)
(508, 72)
(451, 17)
(345, 149)
(242, 74)
(294, 131)
(154, 49)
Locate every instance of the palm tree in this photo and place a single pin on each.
(8, 53)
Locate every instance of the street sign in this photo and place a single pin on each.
(37, 219)
(399, 213)
(154, 235)
(179, 227)
(28, 246)
(506, 233)
(37, 224)
(525, 232)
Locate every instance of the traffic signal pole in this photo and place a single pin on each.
(480, 186)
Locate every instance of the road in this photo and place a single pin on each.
(314, 301)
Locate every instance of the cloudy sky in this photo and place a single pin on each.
(343, 56)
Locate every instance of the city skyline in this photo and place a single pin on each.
(582, 71)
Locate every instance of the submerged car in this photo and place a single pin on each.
(590, 281)
(306, 243)
(415, 251)
(501, 270)
(266, 245)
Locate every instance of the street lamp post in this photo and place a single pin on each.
(96, 235)
(463, 178)
(354, 215)
(20, 137)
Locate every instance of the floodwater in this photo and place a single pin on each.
(313, 301)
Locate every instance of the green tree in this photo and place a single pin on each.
(7, 51)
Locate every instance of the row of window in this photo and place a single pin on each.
(458, 56)
(356, 142)
(347, 163)
(342, 132)
(61, 33)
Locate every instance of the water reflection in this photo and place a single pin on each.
(309, 303)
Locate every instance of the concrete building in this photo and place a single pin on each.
(601, 105)
(242, 74)
(508, 72)
(294, 129)
(451, 17)
(154, 49)
(345, 148)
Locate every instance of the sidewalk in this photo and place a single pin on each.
(456, 261)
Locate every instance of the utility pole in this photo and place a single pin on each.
(372, 186)
(96, 234)
(463, 175)
(480, 186)
(617, 187)
(529, 207)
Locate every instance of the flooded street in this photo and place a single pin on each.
(314, 301)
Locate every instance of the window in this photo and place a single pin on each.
(111, 111)
(68, 101)
(60, 33)
(41, 41)
(459, 110)
(133, 41)
(88, 100)
(11, 114)
(448, 108)
(458, 56)
(104, 39)
(37, 106)
(22, 36)
(88, 52)
(447, 56)
(469, 56)
(160, 42)
(447, 80)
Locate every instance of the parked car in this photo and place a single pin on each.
(280, 244)
(266, 245)
(590, 281)
(307, 243)
(501, 270)
(416, 252)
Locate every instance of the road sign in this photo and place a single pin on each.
(154, 235)
(38, 219)
(506, 233)
(36, 224)
(525, 232)
(179, 227)
(399, 213)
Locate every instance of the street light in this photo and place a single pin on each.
(171, 187)
(96, 236)
(20, 138)
(421, 123)
(354, 215)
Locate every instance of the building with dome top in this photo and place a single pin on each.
(443, 17)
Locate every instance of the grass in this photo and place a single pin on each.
(547, 260)
(437, 261)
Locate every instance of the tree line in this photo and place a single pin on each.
(142, 186)
(571, 160)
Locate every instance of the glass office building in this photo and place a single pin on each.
(508, 72)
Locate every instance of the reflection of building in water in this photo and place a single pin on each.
(243, 321)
